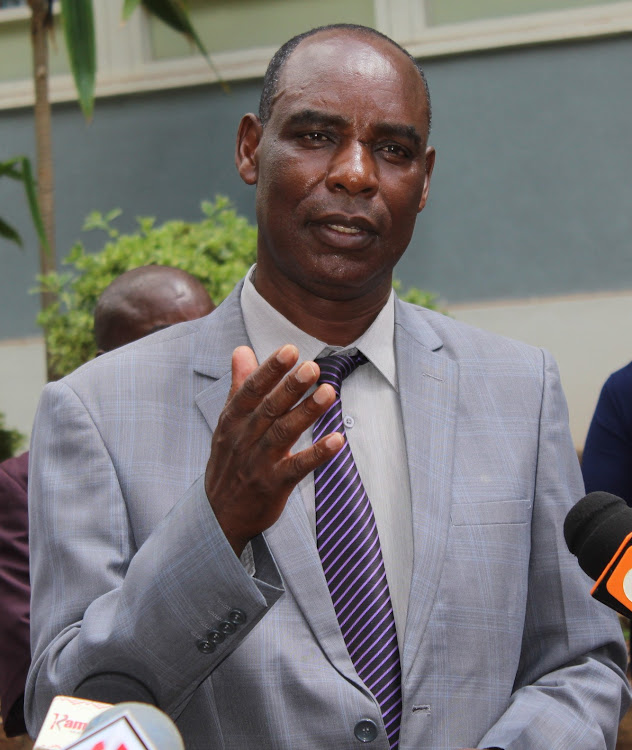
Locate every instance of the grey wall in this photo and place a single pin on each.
(532, 192)
(531, 195)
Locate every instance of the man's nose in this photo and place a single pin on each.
(353, 169)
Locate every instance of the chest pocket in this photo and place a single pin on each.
(498, 512)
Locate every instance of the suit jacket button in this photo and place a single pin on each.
(237, 617)
(365, 730)
(206, 647)
(214, 636)
(227, 627)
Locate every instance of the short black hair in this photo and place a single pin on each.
(273, 72)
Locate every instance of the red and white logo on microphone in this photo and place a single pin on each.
(119, 734)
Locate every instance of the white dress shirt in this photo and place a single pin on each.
(373, 424)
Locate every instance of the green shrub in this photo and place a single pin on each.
(218, 250)
(10, 440)
(418, 297)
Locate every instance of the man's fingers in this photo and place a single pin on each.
(288, 392)
(285, 430)
(251, 382)
(299, 465)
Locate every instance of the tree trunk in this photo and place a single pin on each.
(43, 140)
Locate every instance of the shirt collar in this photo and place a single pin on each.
(268, 330)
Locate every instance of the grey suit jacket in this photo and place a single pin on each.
(503, 644)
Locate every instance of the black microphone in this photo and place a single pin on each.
(598, 531)
(114, 687)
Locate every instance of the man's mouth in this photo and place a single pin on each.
(346, 223)
(344, 233)
(344, 230)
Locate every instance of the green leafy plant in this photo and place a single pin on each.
(19, 168)
(80, 37)
(10, 440)
(419, 297)
(218, 250)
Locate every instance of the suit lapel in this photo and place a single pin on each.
(290, 540)
(219, 334)
(293, 546)
(428, 386)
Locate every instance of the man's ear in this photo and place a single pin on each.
(248, 138)
(430, 162)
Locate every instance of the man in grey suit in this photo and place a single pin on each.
(206, 584)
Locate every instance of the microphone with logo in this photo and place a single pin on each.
(80, 724)
(130, 726)
(598, 531)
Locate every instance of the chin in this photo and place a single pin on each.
(344, 286)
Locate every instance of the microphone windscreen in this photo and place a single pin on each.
(594, 529)
(114, 687)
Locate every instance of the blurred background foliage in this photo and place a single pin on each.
(11, 441)
(218, 250)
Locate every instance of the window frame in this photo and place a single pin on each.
(404, 21)
(125, 66)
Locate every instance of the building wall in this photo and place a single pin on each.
(530, 198)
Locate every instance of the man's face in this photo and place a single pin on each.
(341, 167)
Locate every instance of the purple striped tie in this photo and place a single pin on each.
(349, 549)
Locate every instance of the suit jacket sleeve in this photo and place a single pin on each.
(570, 689)
(100, 605)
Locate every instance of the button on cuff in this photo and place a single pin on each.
(214, 636)
(237, 616)
(365, 730)
(206, 647)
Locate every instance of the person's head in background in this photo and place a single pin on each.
(144, 300)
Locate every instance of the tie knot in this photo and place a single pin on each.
(336, 367)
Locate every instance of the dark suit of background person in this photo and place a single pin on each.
(607, 457)
(15, 651)
(197, 581)
(135, 304)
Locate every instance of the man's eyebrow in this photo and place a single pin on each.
(402, 131)
(314, 117)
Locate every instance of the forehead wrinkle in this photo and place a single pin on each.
(366, 61)
(313, 55)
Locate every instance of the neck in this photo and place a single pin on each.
(337, 321)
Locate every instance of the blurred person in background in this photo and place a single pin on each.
(607, 457)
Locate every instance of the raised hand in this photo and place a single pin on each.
(252, 471)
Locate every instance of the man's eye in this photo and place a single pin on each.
(396, 150)
(315, 137)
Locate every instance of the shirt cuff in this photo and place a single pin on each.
(247, 559)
